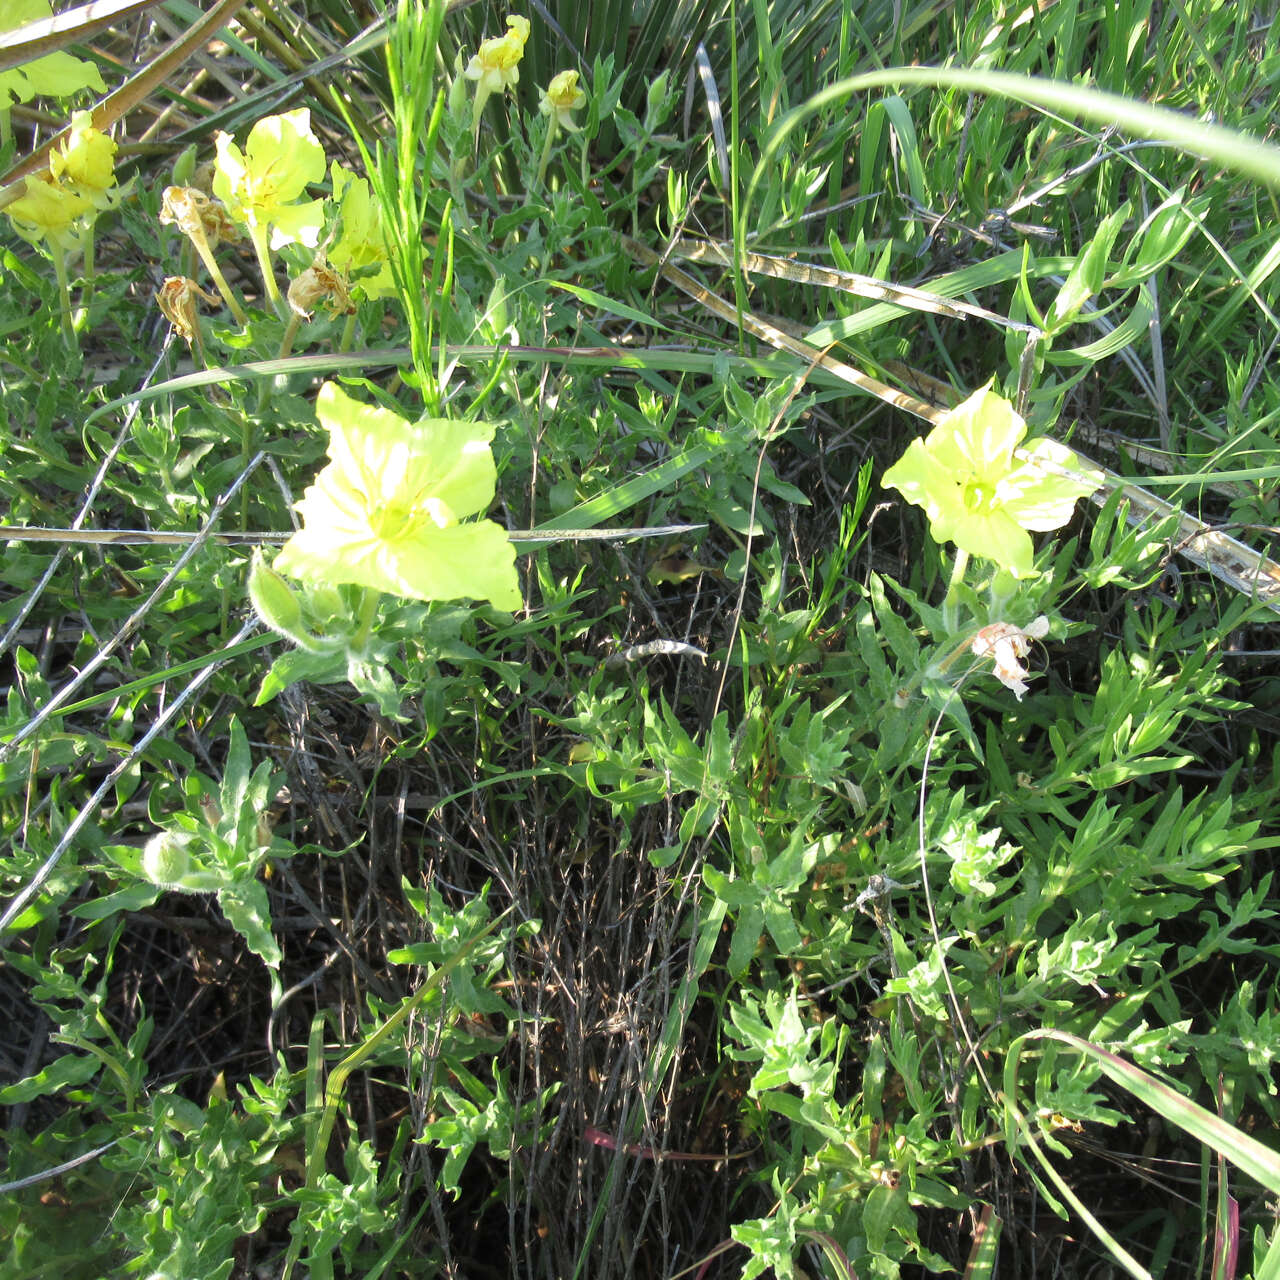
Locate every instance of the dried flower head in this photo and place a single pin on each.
(320, 283)
(206, 224)
(177, 299)
(197, 216)
(1007, 645)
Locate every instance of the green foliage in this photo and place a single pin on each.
(739, 887)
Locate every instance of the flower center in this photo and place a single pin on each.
(402, 519)
(978, 496)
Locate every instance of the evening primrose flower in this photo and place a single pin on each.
(49, 211)
(85, 160)
(496, 67)
(263, 185)
(362, 239)
(561, 98)
(385, 513)
(981, 491)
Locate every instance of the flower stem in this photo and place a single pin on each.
(950, 602)
(64, 292)
(258, 234)
(86, 293)
(546, 149)
(219, 280)
(348, 332)
(367, 616)
(290, 332)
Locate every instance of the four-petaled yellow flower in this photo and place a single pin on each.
(981, 491)
(385, 513)
(561, 98)
(496, 67)
(263, 186)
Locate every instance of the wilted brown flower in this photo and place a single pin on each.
(177, 300)
(1007, 644)
(197, 215)
(320, 283)
(206, 224)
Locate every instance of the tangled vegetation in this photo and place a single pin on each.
(640, 640)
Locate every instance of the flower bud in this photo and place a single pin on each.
(277, 604)
(165, 861)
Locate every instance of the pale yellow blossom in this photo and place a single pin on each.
(561, 98)
(496, 67)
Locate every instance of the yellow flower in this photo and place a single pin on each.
(561, 98)
(982, 491)
(496, 67)
(361, 242)
(85, 159)
(385, 513)
(49, 211)
(263, 185)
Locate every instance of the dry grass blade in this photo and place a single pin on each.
(134, 91)
(1229, 560)
(853, 282)
(48, 35)
(174, 538)
(702, 65)
(768, 332)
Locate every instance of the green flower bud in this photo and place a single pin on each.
(277, 604)
(165, 860)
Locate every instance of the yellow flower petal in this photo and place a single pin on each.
(384, 514)
(262, 184)
(978, 494)
(85, 158)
